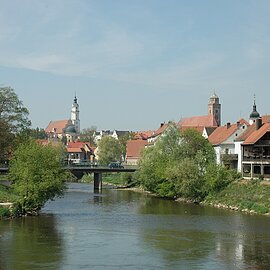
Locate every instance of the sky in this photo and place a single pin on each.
(135, 63)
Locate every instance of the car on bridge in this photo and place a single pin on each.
(113, 165)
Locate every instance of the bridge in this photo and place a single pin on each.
(79, 171)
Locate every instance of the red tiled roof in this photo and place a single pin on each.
(247, 133)
(222, 133)
(199, 121)
(161, 129)
(57, 126)
(257, 134)
(82, 145)
(143, 134)
(74, 150)
(134, 148)
(266, 118)
(76, 144)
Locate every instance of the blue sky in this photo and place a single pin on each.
(135, 63)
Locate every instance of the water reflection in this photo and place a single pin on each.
(30, 243)
(121, 229)
(204, 236)
(97, 196)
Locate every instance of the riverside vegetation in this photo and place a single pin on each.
(182, 166)
(37, 175)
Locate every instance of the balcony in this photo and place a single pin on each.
(229, 157)
(256, 158)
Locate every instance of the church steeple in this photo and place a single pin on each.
(74, 117)
(254, 114)
(214, 108)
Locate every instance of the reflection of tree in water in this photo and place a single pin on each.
(250, 251)
(175, 242)
(155, 205)
(244, 243)
(180, 245)
(31, 243)
(257, 252)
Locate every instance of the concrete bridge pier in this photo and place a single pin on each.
(97, 180)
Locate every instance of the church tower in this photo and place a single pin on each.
(254, 115)
(214, 108)
(75, 115)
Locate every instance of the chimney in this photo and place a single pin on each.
(258, 123)
(162, 124)
(228, 125)
(238, 124)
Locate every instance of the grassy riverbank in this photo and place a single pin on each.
(248, 196)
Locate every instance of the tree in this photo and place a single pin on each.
(37, 133)
(37, 175)
(87, 135)
(176, 164)
(109, 149)
(13, 120)
(123, 141)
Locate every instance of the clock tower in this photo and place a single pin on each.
(214, 108)
(75, 115)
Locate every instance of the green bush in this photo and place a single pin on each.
(4, 212)
(217, 178)
(37, 175)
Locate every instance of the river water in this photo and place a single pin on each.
(120, 229)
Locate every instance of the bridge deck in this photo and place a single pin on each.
(99, 169)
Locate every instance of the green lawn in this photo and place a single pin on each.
(245, 195)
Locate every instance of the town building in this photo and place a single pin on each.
(134, 151)
(214, 108)
(255, 149)
(79, 152)
(67, 130)
(223, 141)
(116, 134)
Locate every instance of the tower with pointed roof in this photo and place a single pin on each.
(214, 108)
(75, 115)
(254, 114)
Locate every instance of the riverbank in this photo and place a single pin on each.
(250, 196)
(245, 195)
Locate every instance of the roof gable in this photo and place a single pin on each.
(223, 133)
(257, 134)
(134, 148)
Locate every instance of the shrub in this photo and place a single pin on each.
(4, 212)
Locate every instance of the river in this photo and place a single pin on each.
(121, 229)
